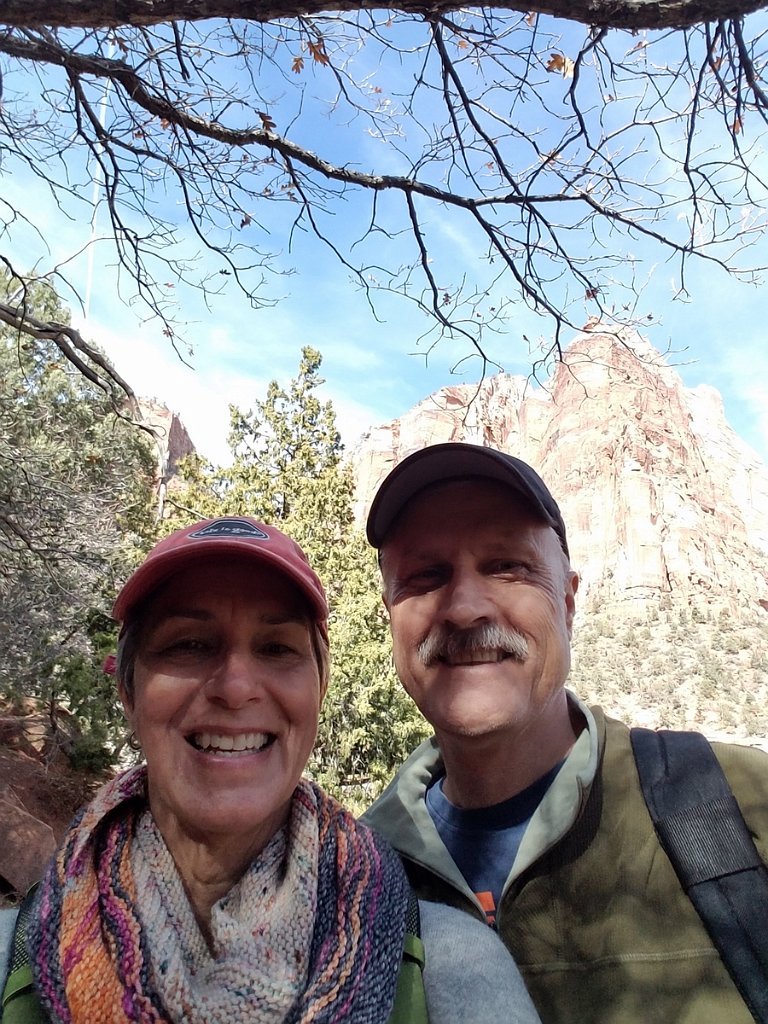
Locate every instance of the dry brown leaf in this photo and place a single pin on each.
(266, 121)
(298, 65)
(317, 50)
(559, 62)
(530, 19)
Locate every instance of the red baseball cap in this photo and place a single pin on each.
(238, 535)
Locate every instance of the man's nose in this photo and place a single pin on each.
(237, 679)
(466, 600)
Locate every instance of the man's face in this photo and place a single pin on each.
(481, 603)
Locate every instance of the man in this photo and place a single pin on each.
(525, 807)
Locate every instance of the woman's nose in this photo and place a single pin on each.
(237, 679)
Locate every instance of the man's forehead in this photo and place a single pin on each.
(424, 545)
(432, 532)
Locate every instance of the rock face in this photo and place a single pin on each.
(39, 791)
(658, 493)
(173, 441)
(28, 845)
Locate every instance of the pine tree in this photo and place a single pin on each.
(75, 497)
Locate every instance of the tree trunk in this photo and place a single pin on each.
(629, 14)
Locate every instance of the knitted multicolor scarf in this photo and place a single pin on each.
(91, 953)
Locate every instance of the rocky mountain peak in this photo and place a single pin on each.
(658, 493)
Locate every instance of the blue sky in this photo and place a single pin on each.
(375, 369)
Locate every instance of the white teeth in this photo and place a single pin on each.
(221, 742)
(477, 657)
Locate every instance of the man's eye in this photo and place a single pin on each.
(510, 565)
(427, 574)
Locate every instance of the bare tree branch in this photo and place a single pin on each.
(70, 342)
(526, 140)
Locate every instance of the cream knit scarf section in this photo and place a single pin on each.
(261, 929)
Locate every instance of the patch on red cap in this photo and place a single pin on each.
(230, 528)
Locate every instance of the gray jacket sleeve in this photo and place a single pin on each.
(469, 975)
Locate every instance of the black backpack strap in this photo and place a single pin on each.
(413, 916)
(703, 833)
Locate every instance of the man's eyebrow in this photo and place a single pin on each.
(421, 553)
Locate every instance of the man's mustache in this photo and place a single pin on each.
(442, 643)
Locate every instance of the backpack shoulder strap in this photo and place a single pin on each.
(20, 1004)
(702, 831)
(410, 998)
(8, 916)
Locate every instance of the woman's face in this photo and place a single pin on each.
(226, 702)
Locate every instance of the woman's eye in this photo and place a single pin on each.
(276, 650)
(187, 645)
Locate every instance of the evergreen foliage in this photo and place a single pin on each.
(75, 496)
(674, 665)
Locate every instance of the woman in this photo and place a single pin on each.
(214, 883)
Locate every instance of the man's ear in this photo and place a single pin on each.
(571, 586)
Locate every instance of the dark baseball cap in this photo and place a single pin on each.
(457, 461)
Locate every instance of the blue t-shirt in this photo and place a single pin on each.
(484, 841)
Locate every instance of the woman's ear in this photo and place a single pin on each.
(126, 701)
